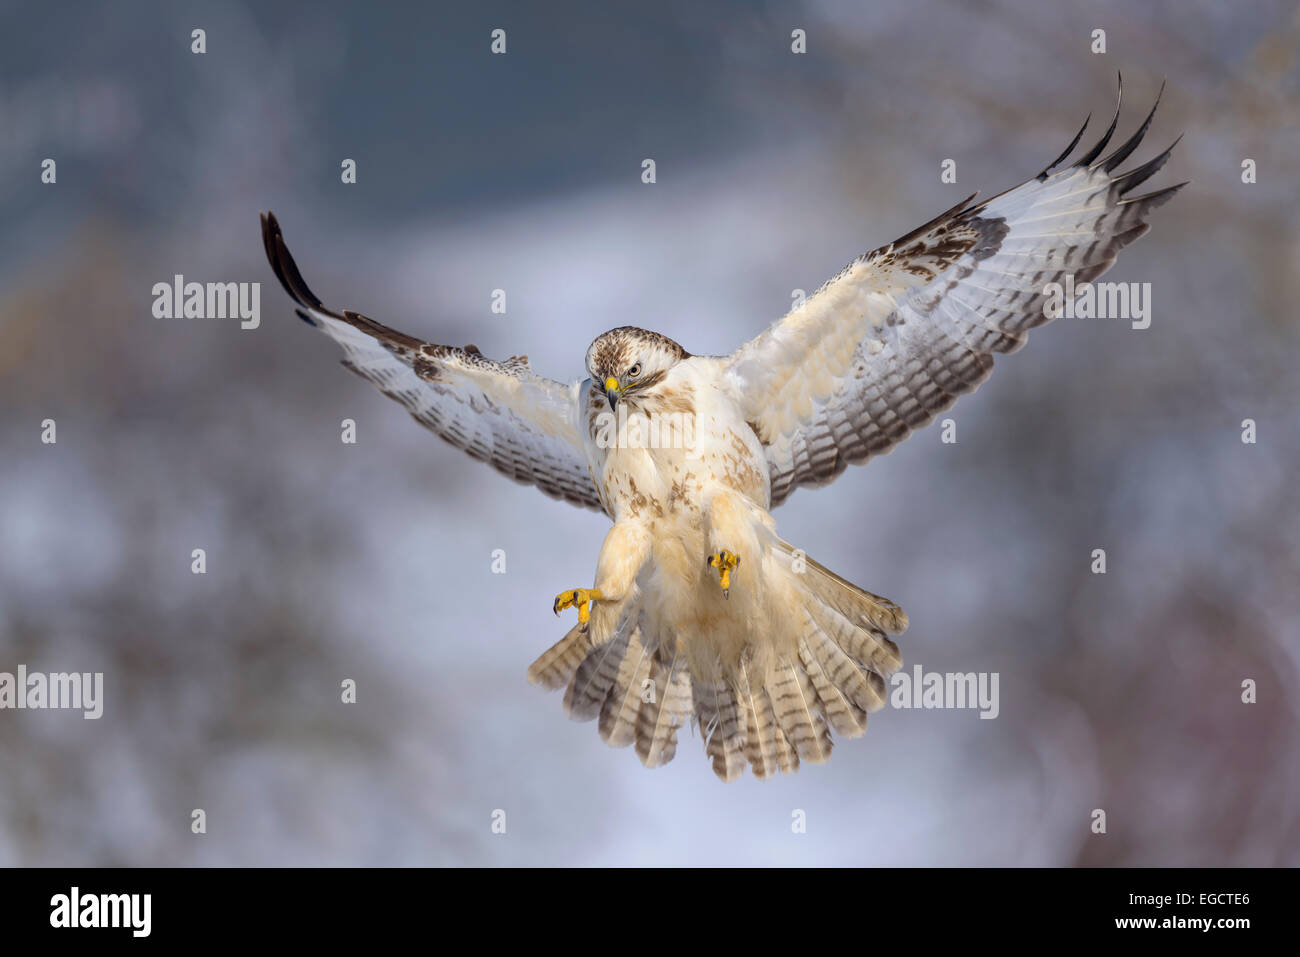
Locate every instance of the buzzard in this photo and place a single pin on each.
(699, 612)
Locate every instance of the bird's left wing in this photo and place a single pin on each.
(902, 331)
(522, 424)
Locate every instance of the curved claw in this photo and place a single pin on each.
(579, 598)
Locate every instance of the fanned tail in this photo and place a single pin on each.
(830, 671)
(818, 669)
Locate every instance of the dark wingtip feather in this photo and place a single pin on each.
(1157, 197)
(1092, 154)
(1141, 174)
(284, 267)
(271, 229)
(286, 270)
(291, 278)
(1122, 153)
(1066, 152)
(270, 234)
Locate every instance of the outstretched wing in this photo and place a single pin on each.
(520, 423)
(902, 331)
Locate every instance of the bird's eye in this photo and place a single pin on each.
(634, 371)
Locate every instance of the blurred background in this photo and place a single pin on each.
(521, 172)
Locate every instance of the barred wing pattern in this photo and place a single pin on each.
(902, 331)
(502, 413)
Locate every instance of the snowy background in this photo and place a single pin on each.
(373, 562)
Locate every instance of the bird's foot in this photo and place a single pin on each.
(579, 598)
(724, 561)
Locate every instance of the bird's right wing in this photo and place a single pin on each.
(520, 423)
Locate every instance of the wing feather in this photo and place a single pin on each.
(903, 331)
(502, 413)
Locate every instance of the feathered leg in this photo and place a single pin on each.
(625, 550)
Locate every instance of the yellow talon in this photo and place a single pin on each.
(579, 598)
(724, 561)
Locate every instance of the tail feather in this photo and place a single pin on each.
(720, 717)
(866, 689)
(756, 748)
(873, 650)
(787, 758)
(595, 678)
(841, 713)
(618, 715)
(613, 682)
(555, 667)
(856, 604)
(867, 646)
(765, 745)
(795, 701)
(657, 723)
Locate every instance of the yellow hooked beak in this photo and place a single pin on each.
(612, 389)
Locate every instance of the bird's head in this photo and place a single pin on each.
(630, 363)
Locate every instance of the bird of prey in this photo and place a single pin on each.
(699, 612)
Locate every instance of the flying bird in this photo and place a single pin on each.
(699, 612)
